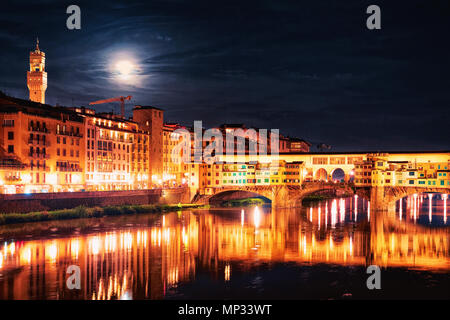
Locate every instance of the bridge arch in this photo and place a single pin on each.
(236, 193)
(338, 174)
(230, 195)
(321, 175)
(393, 194)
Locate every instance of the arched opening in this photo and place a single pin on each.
(351, 176)
(338, 175)
(308, 175)
(321, 175)
(238, 198)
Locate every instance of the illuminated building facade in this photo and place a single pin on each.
(378, 170)
(56, 149)
(242, 174)
(48, 143)
(111, 153)
(173, 172)
(293, 145)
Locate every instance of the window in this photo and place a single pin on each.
(337, 160)
(10, 135)
(320, 160)
(10, 149)
(8, 123)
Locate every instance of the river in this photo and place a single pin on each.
(319, 251)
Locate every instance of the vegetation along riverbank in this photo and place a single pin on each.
(94, 212)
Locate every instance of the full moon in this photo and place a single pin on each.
(125, 68)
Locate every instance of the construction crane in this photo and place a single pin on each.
(121, 99)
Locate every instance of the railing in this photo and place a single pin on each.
(40, 168)
(13, 179)
(40, 142)
(70, 134)
(39, 155)
(38, 129)
(64, 169)
(114, 139)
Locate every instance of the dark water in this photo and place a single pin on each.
(318, 252)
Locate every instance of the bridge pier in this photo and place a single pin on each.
(280, 197)
(378, 199)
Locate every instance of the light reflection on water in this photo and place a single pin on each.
(155, 257)
(426, 209)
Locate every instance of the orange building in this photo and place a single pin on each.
(47, 141)
(116, 152)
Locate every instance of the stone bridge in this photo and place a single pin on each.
(384, 198)
(284, 196)
(281, 196)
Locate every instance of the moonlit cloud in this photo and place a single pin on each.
(311, 69)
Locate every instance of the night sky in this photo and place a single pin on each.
(309, 68)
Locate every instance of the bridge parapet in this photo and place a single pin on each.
(384, 198)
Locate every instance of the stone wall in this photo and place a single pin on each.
(65, 200)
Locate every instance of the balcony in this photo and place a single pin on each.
(70, 134)
(40, 168)
(39, 142)
(68, 169)
(39, 155)
(38, 129)
(13, 179)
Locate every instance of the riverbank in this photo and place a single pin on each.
(94, 212)
(242, 203)
(321, 197)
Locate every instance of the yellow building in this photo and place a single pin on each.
(378, 170)
(173, 172)
(262, 174)
(292, 173)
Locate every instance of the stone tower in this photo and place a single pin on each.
(37, 77)
(151, 119)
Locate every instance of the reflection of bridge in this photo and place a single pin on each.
(149, 260)
(400, 243)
